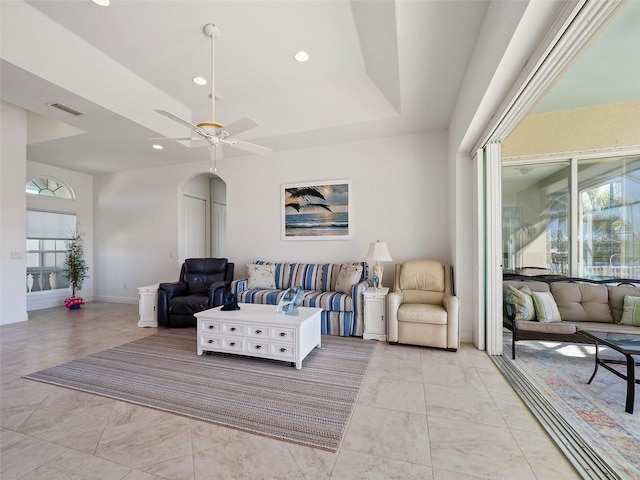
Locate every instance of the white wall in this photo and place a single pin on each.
(13, 218)
(82, 207)
(511, 33)
(399, 195)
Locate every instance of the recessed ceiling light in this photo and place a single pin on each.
(199, 80)
(102, 3)
(157, 147)
(301, 56)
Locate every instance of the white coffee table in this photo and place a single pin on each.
(259, 331)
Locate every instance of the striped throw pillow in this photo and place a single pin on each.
(546, 308)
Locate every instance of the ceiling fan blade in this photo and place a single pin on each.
(181, 121)
(241, 125)
(178, 139)
(250, 147)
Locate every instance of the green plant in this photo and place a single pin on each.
(75, 267)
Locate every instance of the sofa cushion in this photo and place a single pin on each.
(582, 302)
(522, 303)
(261, 276)
(546, 308)
(328, 301)
(348, 276)
(616, 298)
(552, 328)
(631, 311)
(307, 275)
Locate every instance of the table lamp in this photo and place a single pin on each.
(378, 252)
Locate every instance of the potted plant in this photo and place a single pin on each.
(75, 269)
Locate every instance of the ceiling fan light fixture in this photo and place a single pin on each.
(157, 146)
(199, 80)
(301, 56)
(102, 3)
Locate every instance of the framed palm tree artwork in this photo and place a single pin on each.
(317, 210)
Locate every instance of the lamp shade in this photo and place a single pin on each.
(378, 252)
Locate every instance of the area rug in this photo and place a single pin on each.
(310, 406)
(596, 411)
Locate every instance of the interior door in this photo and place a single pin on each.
(218, 230)
(194, 227)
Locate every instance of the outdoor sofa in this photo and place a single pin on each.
(567, 305)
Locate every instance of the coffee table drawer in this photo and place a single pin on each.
(283, 334)
(258, 331)
(283, 350)
(257, 347)
(233, 329)
(232, 344)
(208, 342)
(210, 327)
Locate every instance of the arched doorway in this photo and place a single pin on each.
(203, 217)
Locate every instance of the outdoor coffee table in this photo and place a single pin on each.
(259, 331)
(628, 345)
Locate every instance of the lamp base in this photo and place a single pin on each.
(378, 270)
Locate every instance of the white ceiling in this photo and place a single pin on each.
(377, 68)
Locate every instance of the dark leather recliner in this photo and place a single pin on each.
(203, 284)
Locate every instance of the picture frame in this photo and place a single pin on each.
(317, 210)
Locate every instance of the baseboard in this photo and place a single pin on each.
(114, 299)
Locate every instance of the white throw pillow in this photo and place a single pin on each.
(546, 307)
(348, 276)
(631, 311)
(261, 276)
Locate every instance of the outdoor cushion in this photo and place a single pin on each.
(582, 302)
(546, 308)
(616, 298)
(522, 303)
(631, 311)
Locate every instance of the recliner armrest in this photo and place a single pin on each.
(217, 291)
(166, 291)
(174, 289)
(394, 300)
(451, 304)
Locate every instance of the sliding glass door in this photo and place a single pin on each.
(577, 217)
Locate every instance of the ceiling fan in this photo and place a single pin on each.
(215, 133)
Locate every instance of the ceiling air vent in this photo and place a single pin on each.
(64, 108)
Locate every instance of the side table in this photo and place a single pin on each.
(375, 314)
(148, 306)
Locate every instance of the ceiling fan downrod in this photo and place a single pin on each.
(212, 31)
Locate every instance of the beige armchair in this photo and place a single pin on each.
(422, 309)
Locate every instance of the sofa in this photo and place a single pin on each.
(560, 307)
(335, 287)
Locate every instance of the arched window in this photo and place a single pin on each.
(50, 187)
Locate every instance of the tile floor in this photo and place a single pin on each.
(421, 414)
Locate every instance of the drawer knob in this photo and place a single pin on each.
(283, 349)
(210, 341)
(258, 332)
(233, 344)
(258, 347)
(210, 327)
(283, 334)
(233, 329)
